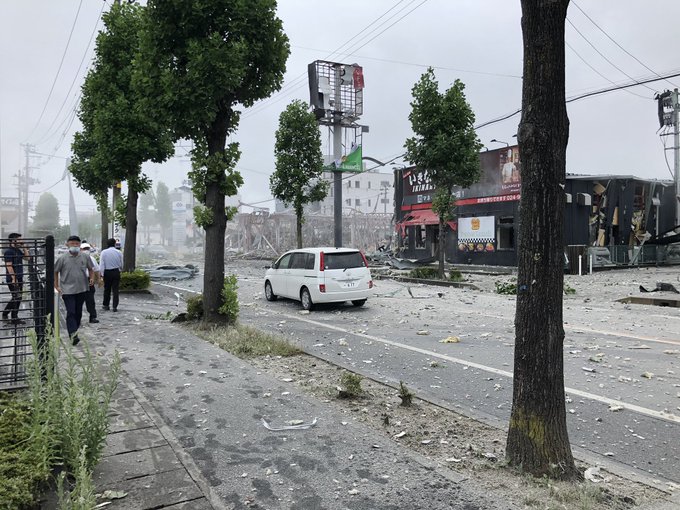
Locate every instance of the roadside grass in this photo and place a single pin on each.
(21, 468)
(59, 421)
(247, 342)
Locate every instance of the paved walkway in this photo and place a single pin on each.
(187, 433)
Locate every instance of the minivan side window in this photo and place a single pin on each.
(284, 262)
(310, 261)
(343, 260)
(298, 261)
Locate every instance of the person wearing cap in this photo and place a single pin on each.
(14, 257)
(89, 297)
(110, 266)
(70, 281)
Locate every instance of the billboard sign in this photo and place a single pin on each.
(500, 174)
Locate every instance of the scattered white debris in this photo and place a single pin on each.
(592, 474)
(296, 426)
(450, 340)
(426, 441)
(614, 408)
(588, 369)
(423, 332)
(647, 375)
(400, 435)
(453, 459)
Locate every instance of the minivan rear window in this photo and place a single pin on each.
(343, 260)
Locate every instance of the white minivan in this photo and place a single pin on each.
(320, 275)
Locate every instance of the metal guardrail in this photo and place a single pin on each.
(35, 303)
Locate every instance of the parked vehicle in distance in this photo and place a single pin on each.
(320, 275)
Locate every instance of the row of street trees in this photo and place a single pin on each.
(169, 71)
(183, 70)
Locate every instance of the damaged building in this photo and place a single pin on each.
(615, 219)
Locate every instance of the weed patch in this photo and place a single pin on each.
(426, 273)
(350, 385)
(247, 342)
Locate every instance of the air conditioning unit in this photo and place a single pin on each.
(583, 199)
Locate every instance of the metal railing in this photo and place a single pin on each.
(27, 306)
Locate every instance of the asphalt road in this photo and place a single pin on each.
(621, 361)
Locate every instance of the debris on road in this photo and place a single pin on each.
(450, 340)
(423, 332)
(647, 375)
(614, 408)
(588, 369)
(297, 426)
(592, 474)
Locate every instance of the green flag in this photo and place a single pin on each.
(349, 163)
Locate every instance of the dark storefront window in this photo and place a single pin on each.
(420, 236)
(506, 233)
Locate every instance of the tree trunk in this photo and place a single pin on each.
(130, 248)
(105, 227)
(537, 436)
(442, 247)
(298, 225)
(213, 277)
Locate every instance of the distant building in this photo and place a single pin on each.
(614, 215)
(368, 192)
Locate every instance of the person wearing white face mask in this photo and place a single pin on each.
(71, 282)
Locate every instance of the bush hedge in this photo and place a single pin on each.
(136, 280)
(426, 273)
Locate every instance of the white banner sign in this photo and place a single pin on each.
(478, 229)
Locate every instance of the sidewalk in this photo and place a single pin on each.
(187, 433)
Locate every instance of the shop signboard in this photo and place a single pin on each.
(477, 234)
(500, 175)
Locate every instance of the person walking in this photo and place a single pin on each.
(70, 281)
(89, 297)
(110, 266)
(14, 275)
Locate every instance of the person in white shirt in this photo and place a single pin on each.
(110, 266)
(89, 297)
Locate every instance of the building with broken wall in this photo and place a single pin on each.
(615, 218)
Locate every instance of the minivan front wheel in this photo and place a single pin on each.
(359, 302)
(306, 299)
(268, 292)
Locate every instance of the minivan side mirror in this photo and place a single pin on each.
(273, 266)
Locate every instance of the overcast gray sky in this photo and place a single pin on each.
(479, 42)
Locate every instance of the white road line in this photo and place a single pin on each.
(584, 394)
(569, 327)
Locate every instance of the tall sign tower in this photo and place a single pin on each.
(336, 94)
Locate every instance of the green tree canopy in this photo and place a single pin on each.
(445, 144)
(199, 62)
(46, 219)
(299, 161)
(118, 133)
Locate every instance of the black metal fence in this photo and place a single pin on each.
(27, 304)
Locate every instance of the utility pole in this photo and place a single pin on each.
(337, 155)
(24, 182)
(676, 152)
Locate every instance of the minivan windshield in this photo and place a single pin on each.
(343, 260)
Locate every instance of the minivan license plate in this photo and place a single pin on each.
(349, 285)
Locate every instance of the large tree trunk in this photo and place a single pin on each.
(213, 276)
(442, 247)
(130, 248)
(298, 230)
(537, 437)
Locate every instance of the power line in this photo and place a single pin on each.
(635, 83)
(299, 81)
(598, 72)
(56, 76)
(602, 54)
(618, 45)
(401, 62)
(75, 77)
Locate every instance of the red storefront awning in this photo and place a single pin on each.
(422, 217)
